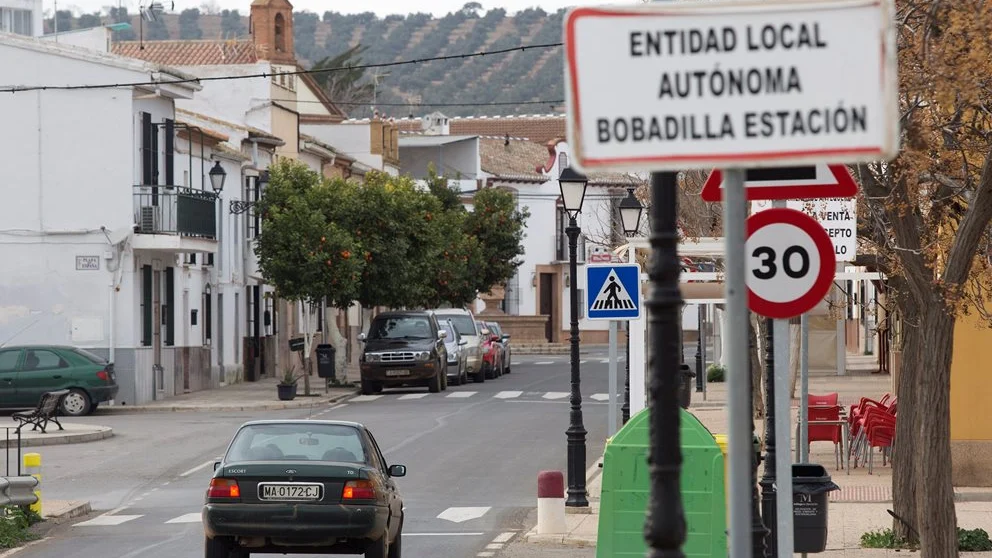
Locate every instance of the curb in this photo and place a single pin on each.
(569, 539)
(135, 409)
(74, 511)
(103, 433)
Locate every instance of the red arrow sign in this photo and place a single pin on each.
(788, 183)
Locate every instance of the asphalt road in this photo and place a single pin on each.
(473, 453)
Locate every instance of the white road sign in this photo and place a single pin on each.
(839, 217)
(700, 84)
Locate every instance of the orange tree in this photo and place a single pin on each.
(498, 224)
(926, 215)
(306, 256)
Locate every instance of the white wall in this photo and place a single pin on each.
(96, 38)
(37, 13)
(459, 160)
(231, 100)
(353, 140)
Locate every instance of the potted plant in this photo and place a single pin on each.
(287, 384)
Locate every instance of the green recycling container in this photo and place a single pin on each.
(627, 489)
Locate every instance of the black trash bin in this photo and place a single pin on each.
(325, 361)
(685, 387)
(811, 488)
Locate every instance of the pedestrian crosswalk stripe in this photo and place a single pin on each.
(194, 517)
(462, 394)
(413, 396)
(605, 361)
(601, 396)
(613, 295)
(556, 395)
(361, 398)
(508, 394)
(544, 362)
(107, 520)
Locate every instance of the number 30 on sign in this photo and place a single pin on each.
(790, 263)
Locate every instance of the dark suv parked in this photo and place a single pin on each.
(404, 348)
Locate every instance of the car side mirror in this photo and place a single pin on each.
(216, 465)
(442, 334)
(361, 337)
(506, 337)
(463, 342)
(485, 332)
(397, 470)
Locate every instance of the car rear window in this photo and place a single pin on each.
(463, 324)
(297, 442)
(90, 356)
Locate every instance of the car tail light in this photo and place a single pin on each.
(358, 490)
(223, 488)
(103, 375)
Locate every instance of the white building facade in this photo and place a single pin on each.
(22, 17)
(114, 236)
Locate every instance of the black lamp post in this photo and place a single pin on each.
(769, 512)
(665, 527)
(573, 192)
(631, 210)
(217, 177)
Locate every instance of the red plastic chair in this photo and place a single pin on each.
(825, 432)
(827, 400)
(876, 429)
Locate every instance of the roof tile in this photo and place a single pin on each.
(515, 158)
(190, 53)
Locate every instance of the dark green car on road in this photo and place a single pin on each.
(303, 487)
(26, 372)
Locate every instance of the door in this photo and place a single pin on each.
(547, 304)
(395, 501)
(157, 372)
(42, 370)
(9, 359)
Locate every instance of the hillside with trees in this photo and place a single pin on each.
(521, 76)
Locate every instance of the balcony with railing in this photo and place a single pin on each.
(561, 248)
(184, 219)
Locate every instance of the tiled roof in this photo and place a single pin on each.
(190, 53)
(518, 159)
(539, 128)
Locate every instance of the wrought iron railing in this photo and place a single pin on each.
(561, 248)
(175, 210)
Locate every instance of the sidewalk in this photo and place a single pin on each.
(72, 434)
(858, 507)
(245, 396)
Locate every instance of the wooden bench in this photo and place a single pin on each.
(46, 411)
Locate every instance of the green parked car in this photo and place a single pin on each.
(26, 372)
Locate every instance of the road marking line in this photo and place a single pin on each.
(203, 465)
(494, 546)
(443, 534)
(508, 394)
(362, 398)
(544, 362)
(459, 515)
(336, 407)
(186, 518)
(605, 361)
(601, 396)
(556, 395)
(107, 520)
(583, 361)
(504, 537)
(485, 554)
(413, 396)
(462, 394)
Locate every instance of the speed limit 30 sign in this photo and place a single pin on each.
(790, 263)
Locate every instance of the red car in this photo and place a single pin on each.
(491, 364)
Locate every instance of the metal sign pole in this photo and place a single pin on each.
(804, 389)
(738, 359)
(783, 426)
(612, 425)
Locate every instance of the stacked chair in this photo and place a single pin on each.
(873, 425)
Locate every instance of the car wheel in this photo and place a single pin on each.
(378, 549)
(395, 549)
(76, 403)
(464, 374)
(218, 548)
(369, 387)
(444, 377)
(480, 376)
(434, 384)
(506, 367)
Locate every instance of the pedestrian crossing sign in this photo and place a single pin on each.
(613, 292)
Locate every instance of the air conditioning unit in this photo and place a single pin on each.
(148, 219)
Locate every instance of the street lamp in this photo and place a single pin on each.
(573, 192)
(241, 206)
(217, 177)
(631, 210)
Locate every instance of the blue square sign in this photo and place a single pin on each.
(613, 292)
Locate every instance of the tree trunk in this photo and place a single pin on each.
(757, 332)
(935, 500)
(906, 460)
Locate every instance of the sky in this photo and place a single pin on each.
(380, 7)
